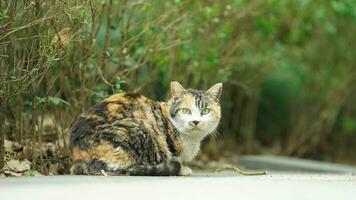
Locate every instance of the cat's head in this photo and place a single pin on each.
(194, 113)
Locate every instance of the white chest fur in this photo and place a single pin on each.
(191, 148)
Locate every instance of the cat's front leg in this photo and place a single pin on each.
(185, 171)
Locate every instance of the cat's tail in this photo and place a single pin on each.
(98, 167)
(172, 168)
(88, 167)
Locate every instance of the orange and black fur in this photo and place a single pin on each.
(129, 134)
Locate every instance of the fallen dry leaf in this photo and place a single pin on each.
(10, 146)
(11, 173)
(65, 36)
(18, 166)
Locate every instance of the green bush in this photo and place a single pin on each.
(288, 67)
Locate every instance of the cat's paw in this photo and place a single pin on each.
(185, 171)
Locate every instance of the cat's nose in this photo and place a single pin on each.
(195, 122)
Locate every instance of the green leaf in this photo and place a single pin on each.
(51, 100)
(3, 14)
(117, 87)
(57, 101)
(349, 124)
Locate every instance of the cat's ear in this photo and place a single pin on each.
(215, 91)
(176, 88)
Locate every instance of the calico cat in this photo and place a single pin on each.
(129, 134)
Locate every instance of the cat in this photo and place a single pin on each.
(129, 134)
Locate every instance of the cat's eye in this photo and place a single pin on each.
(186, 111)
(205, 111)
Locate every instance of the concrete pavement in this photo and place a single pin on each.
(224, 185)
(287, 179)
(282, 163)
